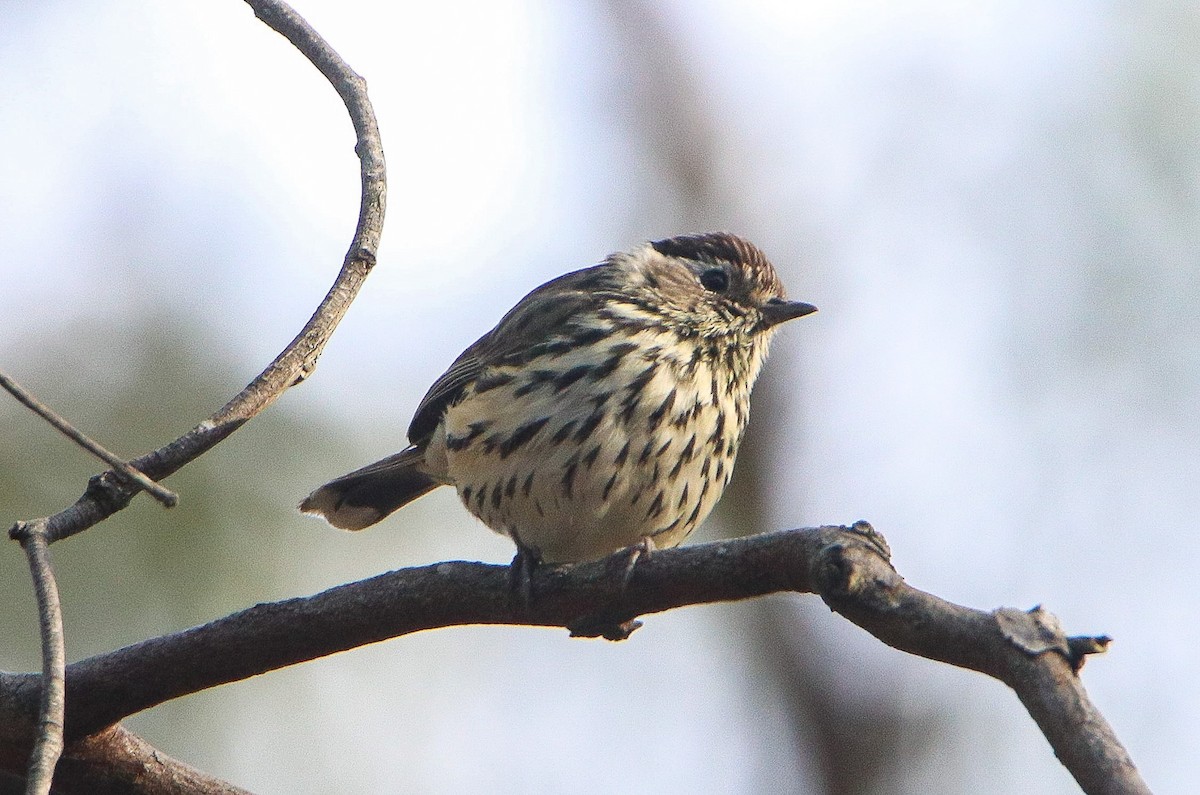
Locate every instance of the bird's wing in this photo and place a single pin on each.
(523, 333)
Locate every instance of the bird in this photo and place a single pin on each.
(603, 412)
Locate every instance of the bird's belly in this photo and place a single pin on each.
(584, 470)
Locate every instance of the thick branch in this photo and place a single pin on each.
(848, 567)
(1026, 651)
(118, 762)
(107, 493)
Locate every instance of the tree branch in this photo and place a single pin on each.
(52, 704)
(118, 762)
(863, 587)
(848, 567)
(108, 493)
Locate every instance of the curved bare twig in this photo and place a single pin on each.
(107, 493)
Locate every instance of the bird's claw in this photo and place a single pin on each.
(520, 573)
(642, 549)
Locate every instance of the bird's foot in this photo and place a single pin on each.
(520, 573)
(609, 622)
(642, 549)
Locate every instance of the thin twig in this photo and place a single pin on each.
(160, 493)
(48, 744)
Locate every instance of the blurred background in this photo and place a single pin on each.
(994, 205)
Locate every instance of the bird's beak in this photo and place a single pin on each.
(777, 310)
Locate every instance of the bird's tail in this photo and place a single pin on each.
(367, 495)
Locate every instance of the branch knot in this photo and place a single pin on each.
(109, 491)
(1038, 631)
(854, 569)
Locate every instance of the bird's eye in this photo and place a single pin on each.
(715, 279)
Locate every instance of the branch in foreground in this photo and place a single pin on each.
(52, 704)
(848, 567)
